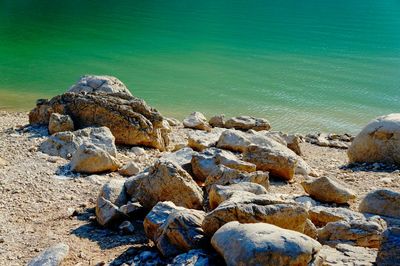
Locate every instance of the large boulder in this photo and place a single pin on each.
(363, 232)
(130, 119)
(247, 123)
(91, 159)
(60, 123)
(264, 244)
(64, 144)
(255, 209)
(379, 141)
(106, 84)
(389, 252)
(112, 196)
(165, 181)
(328, 189)
(196, 120)
(382, 202)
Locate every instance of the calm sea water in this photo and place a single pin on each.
(305, 65)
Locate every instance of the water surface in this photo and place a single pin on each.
(305, 65)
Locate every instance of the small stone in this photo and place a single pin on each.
(52, 256)
(196, 120)
(60, 123)
(138, 151)
(126, 228)
(129, 169)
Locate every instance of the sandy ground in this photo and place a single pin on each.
(39, 208)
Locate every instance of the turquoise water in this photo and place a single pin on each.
(304, 65)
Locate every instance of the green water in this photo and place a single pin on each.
(305, 65)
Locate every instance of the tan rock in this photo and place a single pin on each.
(3, 162)
(92, 159)
(328, 189)
(382, 202)
(201, 140)
(60, 123)
(348, 255)
(255, 209)
(129, 169)
(310, 229)
(106, 84)
(132, 123)
(365, 233)
(264, 244)
(321, 215)
(196, 120)
(247, 122)
(219, 193)
(165, 181)
(379, 141)
(217, 121)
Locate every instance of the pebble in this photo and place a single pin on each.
(138, 151)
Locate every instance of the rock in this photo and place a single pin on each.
(382, 202)
(321, 215)
(275, 159)
(263, 244)
(364, 233)
(60, 123)
(217, 121)
(328, 189)
(53, 256)
(389, 252)
(235, 140)
(181, 232)
(92, 159)
(330, 140)
(173, 122)
(112, 196)
(138, 151)
(133, 210)
(106, 84)
(157, 216)
(196, 120)
(255, 209)
(130, 119)
(247, 122)
(126, 228)
(129, 169)
(64, 144)
(344, 254)
(310, 229)
(165, 181)
(148, 258)
(3, 163)
(201, 140)
(228, 159)
(196, 257)
(219, 193)
(183, 157)
(306, 201)
(379, 141)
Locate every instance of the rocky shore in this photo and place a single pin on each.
(95, 176)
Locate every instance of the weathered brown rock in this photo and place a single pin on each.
(130, 119)
(264, 244)
(247, 122)
(365, 233)
(92, 159)
(60, 123)
(383, 202)
(129, 169)
(254, 209)
(165, 181)
(328, 189)
(217, 121)
(106, 84)
(379, 141)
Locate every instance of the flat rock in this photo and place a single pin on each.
(389, 252)
(91, 159)
(60, 123)
(129, 169)
(255, 209)
(347, 255)
(247, 122)
(130, 119)
(382, 202)
(165, 181)
(201, 140)
(64, 144)
(364, 233)
(328, 189)
(196, 120)
(53, 256)
(379, 141)
(263, 244)
(321, 215)
(218, 193)
(106, 84)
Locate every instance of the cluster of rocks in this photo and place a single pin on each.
(340, 141)
(208, 201)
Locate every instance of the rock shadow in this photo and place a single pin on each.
(371, 167)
